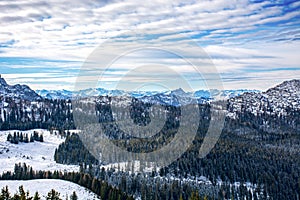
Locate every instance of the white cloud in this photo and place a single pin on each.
(236, 34)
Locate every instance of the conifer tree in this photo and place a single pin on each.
(31, 138)
(41, 138)
(21, 138)
(9, 137)
(22, 193)
(36, 196)
(73, 196)
(53, 195)
(5, 194)
(26, 140)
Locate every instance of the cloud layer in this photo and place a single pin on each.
(253, 44)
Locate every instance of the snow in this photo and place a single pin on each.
(166, 97)
(39, 155)
(277, 101)
(129, 166)
(43, 186)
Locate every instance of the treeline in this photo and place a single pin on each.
(22, 195)
(45, 114)
(23, 137)
(266, 120)
(271, 166)
(72, 151)
(99, 187)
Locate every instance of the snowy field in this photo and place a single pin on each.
(65, 188)
(39, 155)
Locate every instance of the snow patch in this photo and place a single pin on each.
(39, 155)
(43, 186)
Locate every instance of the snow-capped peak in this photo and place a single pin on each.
(278, 100)
(17, 91)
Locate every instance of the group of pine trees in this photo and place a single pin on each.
(273, 171)
(268, 160)
(22, 195)
(72, 151)
(99, 187)
(23, 137)
(23, 115)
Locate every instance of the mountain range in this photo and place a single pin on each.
(199, 94)
(259, 141)
(276, 101)
(26, 93)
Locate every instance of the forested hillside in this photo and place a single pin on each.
(256, 156)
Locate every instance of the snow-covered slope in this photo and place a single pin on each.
(279, 100)
(39, 155)
(18, 91)
(43, 186)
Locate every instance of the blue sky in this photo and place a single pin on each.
(250, 44)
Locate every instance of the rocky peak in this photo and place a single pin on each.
(278, 100)
(17, 91)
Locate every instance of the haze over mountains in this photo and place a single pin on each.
(205, 94)
(273, 109)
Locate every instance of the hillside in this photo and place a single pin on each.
(274, 111)
(43, 186)
(39, 155)
(17, 91)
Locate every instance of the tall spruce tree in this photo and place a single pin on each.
(5, 195)
(74, 196)
(53, 195)
(36, 196)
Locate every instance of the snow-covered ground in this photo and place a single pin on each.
(65, 188)
(39, 155)
(133, 166)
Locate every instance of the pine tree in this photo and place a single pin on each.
(26, 140)
(41, 138)
(36, 196)
(22, 193)
(15, 139)
(36, 136)
(53, 195)
(5, 194)
(73, 196)
(21, 138)
(31, 138)
(9, 137)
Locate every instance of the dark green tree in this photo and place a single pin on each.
(5, 195)
(36, 196)
(53, 195)
(74, 196)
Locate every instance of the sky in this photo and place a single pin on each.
(151, 45)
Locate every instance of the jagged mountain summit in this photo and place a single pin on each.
(275, 111)
(278, 100)
(150, 96)
(18, 91)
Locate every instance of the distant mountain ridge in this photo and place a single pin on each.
(199, 94)
(18, 91)
(174, 97)
(278, 107)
